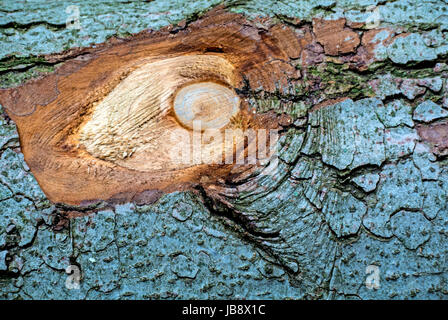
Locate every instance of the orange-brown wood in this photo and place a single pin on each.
(51, 113)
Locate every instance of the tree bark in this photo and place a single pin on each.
(354, 206)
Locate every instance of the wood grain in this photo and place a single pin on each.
(62, 118)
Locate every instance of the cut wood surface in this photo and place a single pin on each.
(103, 125)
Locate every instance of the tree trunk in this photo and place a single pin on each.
(352, 205)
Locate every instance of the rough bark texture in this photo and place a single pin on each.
(361, 180)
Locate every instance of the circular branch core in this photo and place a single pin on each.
(205, 105)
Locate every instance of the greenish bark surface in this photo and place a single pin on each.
(355, 188)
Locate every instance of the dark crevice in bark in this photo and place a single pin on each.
(218, 209)
(26, 26)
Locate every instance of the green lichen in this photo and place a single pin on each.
(338, 80)
(14, 63)
(15, 78)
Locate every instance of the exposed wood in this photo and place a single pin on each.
(436, 134)
(98, 127)
(335, 37)
(104, 124)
